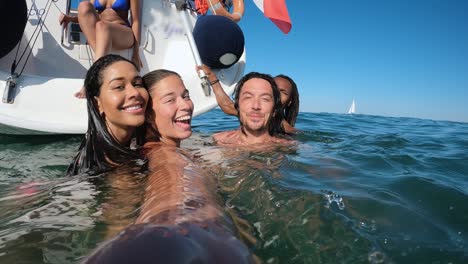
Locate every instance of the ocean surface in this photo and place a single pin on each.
(352, 189)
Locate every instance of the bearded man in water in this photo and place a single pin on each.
(258, 102)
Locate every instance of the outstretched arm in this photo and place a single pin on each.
(224, 102)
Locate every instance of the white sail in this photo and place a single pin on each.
(352, 108)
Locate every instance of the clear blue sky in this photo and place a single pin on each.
(396, 58)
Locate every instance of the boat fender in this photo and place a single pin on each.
(12, 23)
(220, 41)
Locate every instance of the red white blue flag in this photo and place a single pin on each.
(277, 12)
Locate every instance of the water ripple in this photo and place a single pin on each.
(354, 189)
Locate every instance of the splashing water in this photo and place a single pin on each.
(332, 197)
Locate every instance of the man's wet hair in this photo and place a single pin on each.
(275, 126)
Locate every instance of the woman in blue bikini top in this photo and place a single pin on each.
(106, 26)
(117, 5)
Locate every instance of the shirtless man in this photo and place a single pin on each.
(286, 86)
(257, 100)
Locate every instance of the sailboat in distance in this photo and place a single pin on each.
(352, 108)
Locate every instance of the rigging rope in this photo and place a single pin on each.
(39, 26)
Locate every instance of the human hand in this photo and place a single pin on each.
(207, 70)
(64, 20)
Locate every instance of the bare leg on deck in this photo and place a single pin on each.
(102, 36)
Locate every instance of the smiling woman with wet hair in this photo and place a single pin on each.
(181, 218)
(170, 114)
(116, 103)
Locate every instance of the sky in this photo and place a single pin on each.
(402, 58)
(395, 58)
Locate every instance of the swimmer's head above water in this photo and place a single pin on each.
(116, 104)
(169, 116)
(258, 102)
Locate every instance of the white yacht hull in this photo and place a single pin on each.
(43, 98)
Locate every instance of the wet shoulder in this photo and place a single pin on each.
(284, 140)
(226, 137)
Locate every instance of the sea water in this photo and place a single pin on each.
(352, 189)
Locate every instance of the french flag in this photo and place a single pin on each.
(277, 12)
